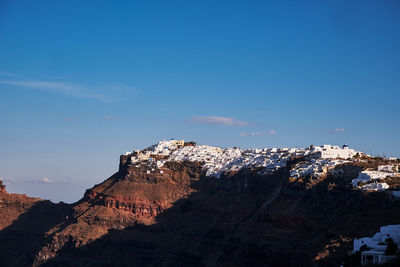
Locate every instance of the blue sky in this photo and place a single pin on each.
(83, 81)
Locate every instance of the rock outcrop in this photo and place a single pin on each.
(177, 216)
(2, 187)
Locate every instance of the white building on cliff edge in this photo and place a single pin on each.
(333, 152)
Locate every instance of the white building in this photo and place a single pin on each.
(377, 245)
(375, 257)
(375, 186)
(317, 168)
(333, 152)
(385, 168)
(140, 156)
(367, 176)
(166, 147)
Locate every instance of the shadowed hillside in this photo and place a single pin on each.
(182, 218)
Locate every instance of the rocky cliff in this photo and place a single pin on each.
(2, 187)
(176, 216)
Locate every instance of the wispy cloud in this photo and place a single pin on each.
(219, 121)
(45, 180)
(6, 73)
(271, 132)
(336, 130)
(70, 119)
(72, 90)
(106, 92)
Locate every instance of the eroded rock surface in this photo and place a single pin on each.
(176, 216)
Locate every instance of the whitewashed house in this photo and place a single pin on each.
(385, 168)
(375, 187)
(376, 245)
(367, 176)
(333, 152)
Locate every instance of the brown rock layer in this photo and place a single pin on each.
(144, 217)
(139, 207)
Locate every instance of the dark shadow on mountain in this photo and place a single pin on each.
(22, 240)
(241, 219)
(196, 231)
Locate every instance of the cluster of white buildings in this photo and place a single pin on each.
(369, 179)
(165, 147)
(376, 246)
(320, 160)
(315, 168)
(325, 157)
(160, 150)
(218, 160)
(319, 165)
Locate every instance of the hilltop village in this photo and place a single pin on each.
(318, 161)
(314, 162)
(175, 203)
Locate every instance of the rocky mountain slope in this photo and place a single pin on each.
(178, 216)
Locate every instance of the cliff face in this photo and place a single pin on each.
(175, 216)
(144, 193)
(13, 205)
(23, 222)
(130, 197)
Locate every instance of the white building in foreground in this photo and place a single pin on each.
(377, 245)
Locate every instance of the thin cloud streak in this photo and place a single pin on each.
(45, 180)
(337, 130)
(219, 121)
(6, 73)
(68, 89)
(271, 132)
